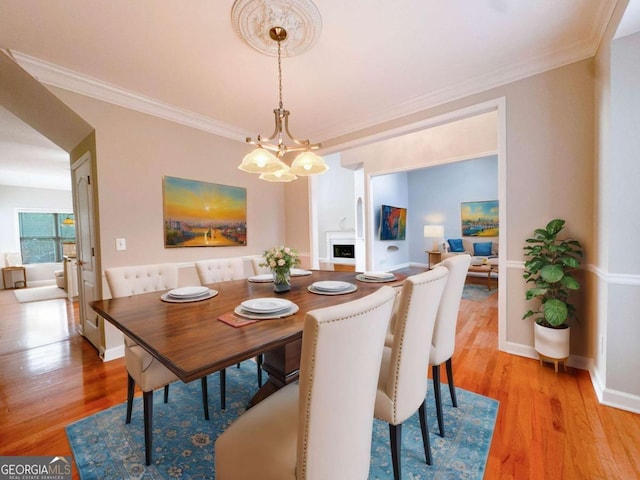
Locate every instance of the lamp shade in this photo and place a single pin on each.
(283, 175)
(261, 161)
(433, 231)
(308, 163)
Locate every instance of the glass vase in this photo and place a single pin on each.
(281, 280)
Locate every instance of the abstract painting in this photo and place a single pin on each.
(393, 223)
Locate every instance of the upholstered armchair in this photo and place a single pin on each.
(402, 385)
(142, 368)
(321, 428)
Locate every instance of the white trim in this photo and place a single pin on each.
(66, 79)
(448, 117)
(112, 353)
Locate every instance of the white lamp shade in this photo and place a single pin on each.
(261, 161)
(433, 231)
(283, 175)
(308, 163)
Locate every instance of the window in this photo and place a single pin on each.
(42, 235)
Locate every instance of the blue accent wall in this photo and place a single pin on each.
(435, 194)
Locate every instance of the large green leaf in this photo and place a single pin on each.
(571, 283)
(552, 273)
(555, 312)
(535, 292)
(570, 261)
(554, 226)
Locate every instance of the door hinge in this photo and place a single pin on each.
(93, 252)
(89, 179)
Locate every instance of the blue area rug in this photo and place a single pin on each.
(104, 447)
(477, 293)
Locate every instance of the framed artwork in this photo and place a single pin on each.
(200, 214)
(479, 219)
(393, 223)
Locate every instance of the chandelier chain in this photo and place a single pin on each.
(280, 75)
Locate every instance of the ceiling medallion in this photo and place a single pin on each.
(253, 19)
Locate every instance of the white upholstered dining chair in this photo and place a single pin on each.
(443, 342)
(142, 368)
(402, 385)
(321, 428)
(257, 269)
(221, 270)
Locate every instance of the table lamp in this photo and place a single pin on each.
(436, 232)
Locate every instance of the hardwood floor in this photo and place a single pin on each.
(549, 426)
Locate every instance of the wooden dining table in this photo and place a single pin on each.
(191, 341)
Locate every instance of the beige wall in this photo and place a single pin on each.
(617, 149)
(549, 174)
(134, 151)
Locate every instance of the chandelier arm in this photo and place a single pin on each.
(291, 137)
(278, 128)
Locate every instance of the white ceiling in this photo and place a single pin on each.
(374, 61)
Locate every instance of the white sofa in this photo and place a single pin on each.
(467, 244)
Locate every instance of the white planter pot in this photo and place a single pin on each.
(552, 343)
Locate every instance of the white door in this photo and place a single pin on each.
(85, 237)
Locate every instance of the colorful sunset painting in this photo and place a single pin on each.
(479, 219)
(200, 214)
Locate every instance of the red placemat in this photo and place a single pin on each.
(235, 321)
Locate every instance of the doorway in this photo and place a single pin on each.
(371, 156)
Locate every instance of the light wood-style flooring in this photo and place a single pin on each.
(550, 426)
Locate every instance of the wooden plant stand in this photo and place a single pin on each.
(555, 361)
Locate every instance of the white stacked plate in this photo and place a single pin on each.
(265, 308)
(332, 287)
(376, 277)
(298, 272)
(262, 278)
(188, 294)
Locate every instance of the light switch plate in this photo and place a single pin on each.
(121, 244)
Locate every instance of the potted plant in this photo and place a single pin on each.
(549, 262)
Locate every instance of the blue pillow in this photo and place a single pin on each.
(456, 244)
(482, 249)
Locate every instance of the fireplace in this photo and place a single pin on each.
(344, 250)
(341, 247)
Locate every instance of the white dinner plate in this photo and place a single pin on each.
(265, 305)
(352, 288)
(188, 292)
(262, 278)
(165, 297)
(379, 275)
(331, 286)
(290, 310)
(298, 272)
(361, 277)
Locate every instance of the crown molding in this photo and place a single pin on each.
(475, 85)
(66, 79)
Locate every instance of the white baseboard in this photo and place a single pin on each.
(613, 398)
(113, 353)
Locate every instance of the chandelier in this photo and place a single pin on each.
(267, 158)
